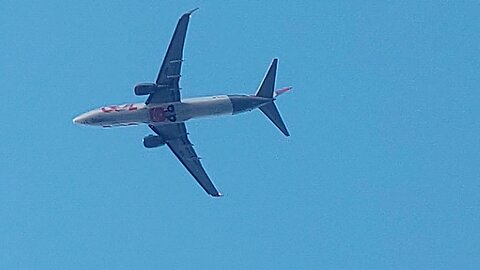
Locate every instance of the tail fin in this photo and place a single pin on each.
(268, 83)
(266, 90)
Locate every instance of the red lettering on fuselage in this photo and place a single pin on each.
(119, 108)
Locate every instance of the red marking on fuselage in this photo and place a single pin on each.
(108, 109)
(157, 114)
(119, 108)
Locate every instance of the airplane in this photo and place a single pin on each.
(165, 112)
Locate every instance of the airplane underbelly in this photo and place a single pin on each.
(189, 109)
(124, 118)
(205, 107)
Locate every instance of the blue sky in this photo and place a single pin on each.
(381, 171)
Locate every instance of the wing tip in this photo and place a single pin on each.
(217, 195)
(191, 11)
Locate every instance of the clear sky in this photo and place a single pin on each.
(381, 171)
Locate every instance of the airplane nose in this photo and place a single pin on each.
(79, 119)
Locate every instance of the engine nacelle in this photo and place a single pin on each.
(143, 89)
(152, 141)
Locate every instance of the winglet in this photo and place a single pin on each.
(191, 11)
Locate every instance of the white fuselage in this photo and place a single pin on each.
(165, 113)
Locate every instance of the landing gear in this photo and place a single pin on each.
(170, 108)
(172, 118)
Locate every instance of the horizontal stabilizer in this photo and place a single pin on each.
(270, 110)
(280, 91)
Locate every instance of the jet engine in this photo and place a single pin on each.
(152, 141)
(143, 89)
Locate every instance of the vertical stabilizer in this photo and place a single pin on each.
(268, 83)
(266, 91)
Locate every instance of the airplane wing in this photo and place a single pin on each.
(169, 74)
(178, 142)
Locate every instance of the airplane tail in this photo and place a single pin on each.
(266, 90)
